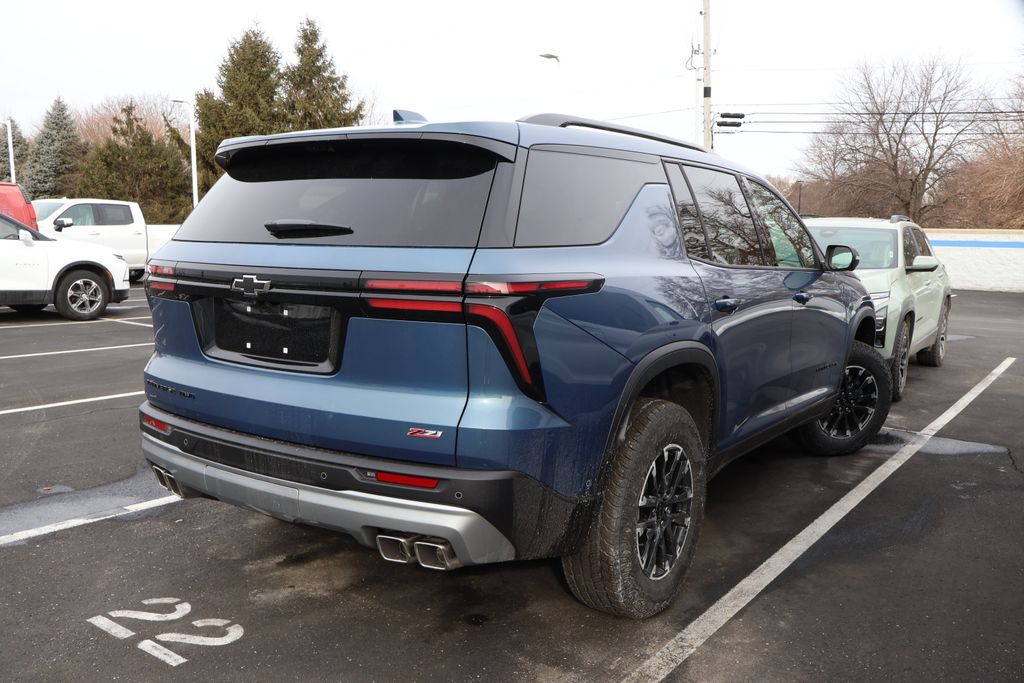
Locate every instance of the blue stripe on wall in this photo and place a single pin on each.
(977, 243)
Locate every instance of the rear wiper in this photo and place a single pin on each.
(297, 227)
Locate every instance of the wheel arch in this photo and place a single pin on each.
(91, 266)
(667, 372)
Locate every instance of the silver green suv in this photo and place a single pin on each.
(908, 284)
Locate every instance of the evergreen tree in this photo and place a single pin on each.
(20, 152)
(249, 102)
(55, 161)
(315, 95)
(132, 165)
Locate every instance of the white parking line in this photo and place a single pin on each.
(81, 521)
(61, 353)
(73, 322)
(676, 651)
(127, 322)
(11, 411)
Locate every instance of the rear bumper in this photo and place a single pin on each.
(363, 515)
(486, 515)
(119, 295)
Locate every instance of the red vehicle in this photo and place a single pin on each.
(15, 204)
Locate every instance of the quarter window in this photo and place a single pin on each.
(792, 243)
(694, 239)
(732, 237)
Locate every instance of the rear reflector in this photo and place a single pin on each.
(415, 285)
(407, 480)
(167, 286)
(156, 424)
(504, 325)
(416, 305)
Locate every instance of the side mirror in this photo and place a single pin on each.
(26, 236)
(62, 223)
(839, 257)
(923, 264)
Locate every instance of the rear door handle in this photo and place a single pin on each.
(727, 305)
(802, 297)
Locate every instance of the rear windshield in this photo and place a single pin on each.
(387, 193)
(875, 246)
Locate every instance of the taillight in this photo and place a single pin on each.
(416, 305)
(158, 425)
(407, 480)
(425, 286)
(541, 287)
(508, 334)
(158, 271)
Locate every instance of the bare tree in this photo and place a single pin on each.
(898, 134)
(93, 123)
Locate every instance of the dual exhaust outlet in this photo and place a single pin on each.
(428, 551)
(167, 480)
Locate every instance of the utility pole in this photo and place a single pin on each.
(707, 74)
(10, 148)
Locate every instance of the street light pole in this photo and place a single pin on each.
(708, 141)
(192, 148)
(10, 148)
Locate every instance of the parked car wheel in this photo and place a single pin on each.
(28, 308)
(900, 361)
(935, 353)
(642, 541)
(135, 274)
(81, 295)
(859, 410)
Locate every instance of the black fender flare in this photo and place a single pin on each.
(649, 367)
(864, 311)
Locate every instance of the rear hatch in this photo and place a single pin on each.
(315, 294)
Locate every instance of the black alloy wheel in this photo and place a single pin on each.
(664, 512)
(854, 406)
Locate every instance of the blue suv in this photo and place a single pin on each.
(476, 342)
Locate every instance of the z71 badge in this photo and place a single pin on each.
(424, 433)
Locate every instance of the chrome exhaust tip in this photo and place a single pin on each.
(167, 481)
(397, 547)
(436, 553)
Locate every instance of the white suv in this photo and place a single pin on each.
(78, 279)
(906, 281)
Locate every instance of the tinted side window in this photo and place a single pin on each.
(728, 223)
(923, 246)
(689, 220)
(112, 214)
(578, 199)
(909, 248)
(81, 214)
(792, 243)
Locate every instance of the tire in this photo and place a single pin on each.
(609, 573)
(136, 275)
(935, 353)
(28, 308)
(859, 410)
(81, 295)
(900, 361)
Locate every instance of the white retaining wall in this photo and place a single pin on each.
(990, 268)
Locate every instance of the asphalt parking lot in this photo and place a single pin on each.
(922, 579)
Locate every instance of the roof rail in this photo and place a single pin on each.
(896, 218)
(565, 120)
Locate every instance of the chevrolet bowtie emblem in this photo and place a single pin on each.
(250, 285)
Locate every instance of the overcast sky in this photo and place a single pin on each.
(479, 60)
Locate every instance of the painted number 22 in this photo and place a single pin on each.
(229, 632)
